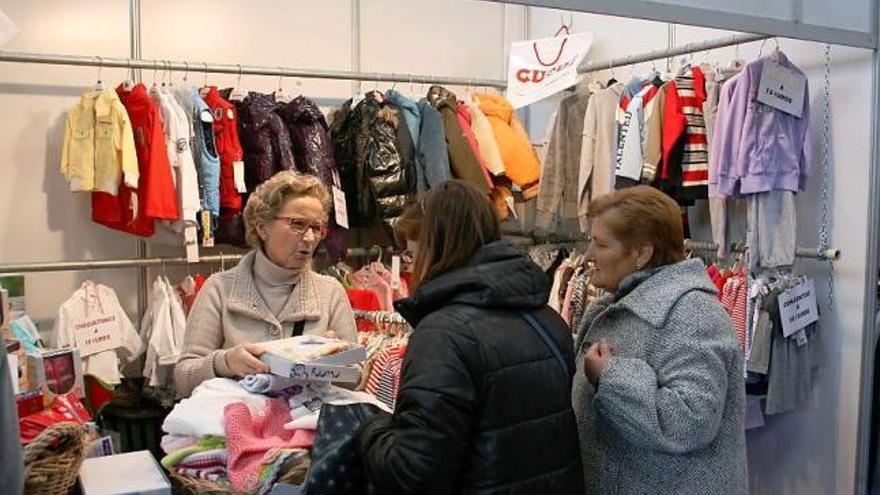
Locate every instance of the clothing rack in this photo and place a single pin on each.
(828, 254)
(388, 317)
(157, 262)
(553, 239)
(737, 39)
(240, 70)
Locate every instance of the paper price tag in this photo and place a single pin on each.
(801, 336)
(96, 334)
(797, 307)
(395, 272)
(207, 228)
(510, 206)
(238, 174)
(191, 239)
(782, 88)
(339, 207)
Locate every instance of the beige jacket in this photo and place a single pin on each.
(98, 151)
(230, 311)
(598, 148)
(485, 138)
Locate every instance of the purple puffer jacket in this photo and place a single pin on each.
(313, 153)
(264, 139)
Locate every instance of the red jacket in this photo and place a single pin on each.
(134, 211)
(228, 147)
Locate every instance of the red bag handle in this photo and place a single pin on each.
(558, 54)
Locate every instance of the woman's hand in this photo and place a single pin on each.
(595, 359)
(244, 360)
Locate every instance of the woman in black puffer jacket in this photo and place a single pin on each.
(484, 404)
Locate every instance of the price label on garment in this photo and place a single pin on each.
(797, 307)
(395, 273)
(339, 207)
(96, 334)
(801, 337)
(207, 228)
(510, 206)
(238, 176)
(191, 240)
(782, 88)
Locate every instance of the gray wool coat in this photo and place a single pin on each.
(667, 417)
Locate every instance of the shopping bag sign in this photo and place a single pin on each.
(797, 307)
(543, 67)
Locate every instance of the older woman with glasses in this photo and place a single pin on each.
(272, 293)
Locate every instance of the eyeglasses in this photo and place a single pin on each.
(300, 226)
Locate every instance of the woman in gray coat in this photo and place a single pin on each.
(659, 391)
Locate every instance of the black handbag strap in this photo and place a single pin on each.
(551, 344)
(298, 328)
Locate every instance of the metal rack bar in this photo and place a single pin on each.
(736, 39)
(830, 254)
(239, 69)
(156, 262)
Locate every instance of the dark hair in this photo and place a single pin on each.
(407, 226)
(457, 220)
(643, 215)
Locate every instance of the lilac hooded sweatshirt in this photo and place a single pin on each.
(758, 148)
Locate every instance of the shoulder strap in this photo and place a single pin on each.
(551, 344)
(298, 328)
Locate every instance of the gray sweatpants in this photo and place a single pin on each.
(772, 229)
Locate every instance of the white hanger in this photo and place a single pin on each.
(238, 93)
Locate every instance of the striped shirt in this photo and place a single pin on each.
(384, 381)
(691, 86)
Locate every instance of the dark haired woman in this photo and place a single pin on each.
(484, 404)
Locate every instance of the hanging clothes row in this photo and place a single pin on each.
(698, 133)
(389, 148)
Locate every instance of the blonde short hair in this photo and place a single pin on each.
(265, 203)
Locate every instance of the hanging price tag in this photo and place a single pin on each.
(340, 208)
(801, 337)
(395, 272)
(191, 240)
(782, 88)
(509, 201)
(238, 175)
(797, 307)
(96, 334)
(207, 230)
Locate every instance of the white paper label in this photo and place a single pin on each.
(238, 174)
(339, 207)
(395, 272)
(797, 307)
(510, 206)
(190, 236)
(12, 359)
(782, 88)
(801, 336)
(96, 334)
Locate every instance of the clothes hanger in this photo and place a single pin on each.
(99, 86)
(186, 73)
(280, 95)
(238, 94)
(128, 83)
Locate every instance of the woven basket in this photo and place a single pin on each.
(53, 459)
(198, 486)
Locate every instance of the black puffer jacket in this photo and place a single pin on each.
(349, 150)
(313, 153)
(484, 407)
(368, 157)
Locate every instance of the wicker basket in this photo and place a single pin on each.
(53, 459)
(197, 486)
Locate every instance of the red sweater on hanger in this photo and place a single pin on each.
(134, 211)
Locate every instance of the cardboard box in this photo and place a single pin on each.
(340, 367)
(56, 372)
(134, 472)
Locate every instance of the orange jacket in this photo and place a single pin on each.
(520, 161)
